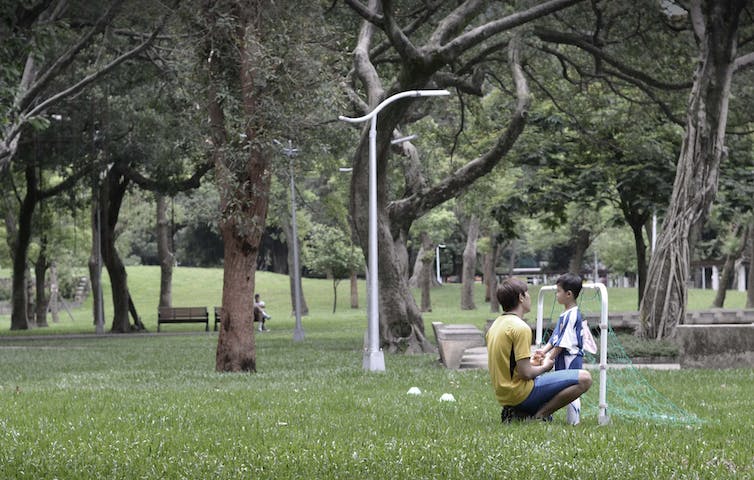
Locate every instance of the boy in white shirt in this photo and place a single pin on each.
(566, 344)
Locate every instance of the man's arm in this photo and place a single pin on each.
(529, 371)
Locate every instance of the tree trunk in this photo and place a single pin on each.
(112, 194)
(641, 258)
(401, 323)
(164, 252)
(95, 259)
(244, 185)
(40, 272)
(729, 265)
(354, 290)
(469, 265)
(664, 303)
(579, 244)
(54, 293)
(425, 278)
(490, 278)
(750, 286)
(415, 281)
(722, 286)
(291, 276)
(335, 283)
(20, 312)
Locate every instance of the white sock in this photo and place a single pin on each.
(573, 412)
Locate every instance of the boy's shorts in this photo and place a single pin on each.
(545, 387)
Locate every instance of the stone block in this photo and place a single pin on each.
(454, 339)
(716, 346)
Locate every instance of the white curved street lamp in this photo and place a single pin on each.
(374, 359)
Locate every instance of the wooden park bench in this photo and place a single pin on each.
(183, 315)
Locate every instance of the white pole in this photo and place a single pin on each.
(374, 359)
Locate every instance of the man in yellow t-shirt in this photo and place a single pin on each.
(516, 376)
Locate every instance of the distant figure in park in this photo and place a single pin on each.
(570, 338)
(520, 387)
(260, 315)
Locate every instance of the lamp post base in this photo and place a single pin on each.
(298, 334)
(374, 361)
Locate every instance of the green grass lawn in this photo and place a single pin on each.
(136, 406)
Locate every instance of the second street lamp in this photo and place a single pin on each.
(374, 359)
(298, 332)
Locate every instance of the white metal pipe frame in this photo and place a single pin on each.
(603, 418)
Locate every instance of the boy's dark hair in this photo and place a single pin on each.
(508, 292)
(570, 282)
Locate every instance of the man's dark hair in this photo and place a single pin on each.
(570, 282)
(508, 292)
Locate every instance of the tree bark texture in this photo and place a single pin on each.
(164, 252)
(730, 262)
(242, 174)
(490, 278)
(40, 274)
(750, 278)
(113, 190)
(20, 313)
(665, 296)
(354, 291)
(469, 265)
(54, 293)
(425, 277)
(579, 242)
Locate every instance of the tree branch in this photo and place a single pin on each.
(165, 185)
(636, 76)
(67, 57)
(460, 44)
(419, 203)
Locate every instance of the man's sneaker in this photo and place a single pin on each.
(510, 414)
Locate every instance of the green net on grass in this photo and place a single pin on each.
(629, 393)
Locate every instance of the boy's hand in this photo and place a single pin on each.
(536, 359)
(547, 363)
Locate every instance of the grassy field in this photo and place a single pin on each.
(151, 406)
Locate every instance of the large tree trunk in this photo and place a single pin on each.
(425, 277)
(469, 265)
(164, 252)
(113, 191)
(664, 303)
(20, 313)
(244, 185)
(579, 245)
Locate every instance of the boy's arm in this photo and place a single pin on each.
(554, 352)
